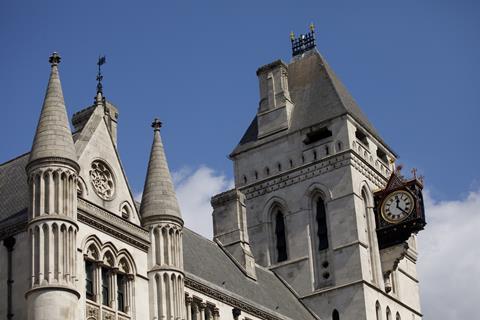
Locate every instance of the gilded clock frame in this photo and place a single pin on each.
(382, 211)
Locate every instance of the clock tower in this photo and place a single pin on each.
(309, 166)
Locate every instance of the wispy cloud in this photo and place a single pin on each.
(449, 261)
(194, 190)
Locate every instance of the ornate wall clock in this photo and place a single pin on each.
(399, 210)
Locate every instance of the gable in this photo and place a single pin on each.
(101, 172)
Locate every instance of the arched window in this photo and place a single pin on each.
(105, 286)
(126, 211)
(389, 314)
(89, 290)
(109, 278)
(121, 290)
(371, 236)
(397, 317)
(321, 218)
(335, 315)
(280, 236)
(378, 311)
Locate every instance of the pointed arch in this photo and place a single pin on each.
(275, 214)
(335, 315)
(126, 210)
(366, 196)
(378, 311)
(125, 257)
(316, 199)
(280, 234)
(388, 314)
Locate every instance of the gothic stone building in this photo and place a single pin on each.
(294, 240)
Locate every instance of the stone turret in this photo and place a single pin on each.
(275, 106)
(52, 223)
(230, 228)
(161, 215)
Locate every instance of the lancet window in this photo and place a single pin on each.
(109, 278)
(280, 235)
(322, 230)
(335, 315)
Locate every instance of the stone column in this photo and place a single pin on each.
(203, 305)
(216, 314)
(188, 301)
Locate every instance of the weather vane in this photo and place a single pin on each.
(101, 61)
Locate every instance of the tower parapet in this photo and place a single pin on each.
(52, 173)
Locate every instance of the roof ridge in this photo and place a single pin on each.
(13, 159)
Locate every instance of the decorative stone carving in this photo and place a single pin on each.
(92, 312)
(107, 315)
(102, 180)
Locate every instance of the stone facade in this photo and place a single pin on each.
(294, 240)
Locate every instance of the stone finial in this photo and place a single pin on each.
(156, 124)
(54, 59)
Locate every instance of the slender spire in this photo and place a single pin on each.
(159, 199)
(53, 137)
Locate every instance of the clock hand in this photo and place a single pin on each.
(398, 207)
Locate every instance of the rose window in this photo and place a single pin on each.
(102, 180)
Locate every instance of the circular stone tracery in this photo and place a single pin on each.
(102, 180)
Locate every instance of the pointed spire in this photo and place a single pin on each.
(53, 137)
(159, 199)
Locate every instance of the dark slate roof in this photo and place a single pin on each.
(205, 260)
(318, 96)
(13, 186)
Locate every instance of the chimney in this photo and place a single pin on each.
(275, 106)
(230, 228)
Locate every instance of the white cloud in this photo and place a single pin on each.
(194, 190)
(449, 262)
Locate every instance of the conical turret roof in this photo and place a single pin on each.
(53, 138)
(159, 199)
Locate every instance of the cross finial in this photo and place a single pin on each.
(156, 124)
(414, 172)
(54, 59)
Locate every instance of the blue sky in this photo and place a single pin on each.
(413, 67)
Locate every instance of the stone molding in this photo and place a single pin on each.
(298, 175)
(314, 169)
(112, 224)
(228, 299)
(13, 225)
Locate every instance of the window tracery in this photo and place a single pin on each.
(102, 180)
(109, 278)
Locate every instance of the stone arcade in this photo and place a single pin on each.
(295, 239)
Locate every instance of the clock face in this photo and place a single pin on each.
(397, 206)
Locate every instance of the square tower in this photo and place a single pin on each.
(308, 166)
